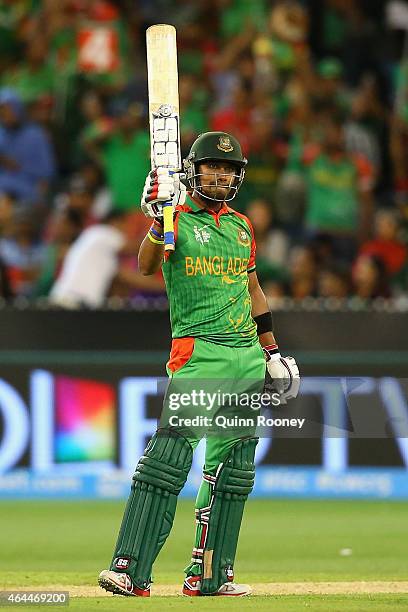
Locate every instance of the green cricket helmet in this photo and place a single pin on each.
(215, 146)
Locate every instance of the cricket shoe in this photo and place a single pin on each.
(121, 584)
(192, 588)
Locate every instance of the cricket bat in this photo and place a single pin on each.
(164, 110)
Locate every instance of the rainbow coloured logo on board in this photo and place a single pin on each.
(85, 417)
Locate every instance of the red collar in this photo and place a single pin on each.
(193, 207)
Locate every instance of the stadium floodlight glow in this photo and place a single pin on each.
(16, 427)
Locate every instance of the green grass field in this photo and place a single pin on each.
(68, 543)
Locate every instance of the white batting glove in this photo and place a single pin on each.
(162, 185)
(283, 371)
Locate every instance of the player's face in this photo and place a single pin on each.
(216, 178)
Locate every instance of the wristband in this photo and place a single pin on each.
(271, 352)
(263, 323)
(153, 239)
(155, 233)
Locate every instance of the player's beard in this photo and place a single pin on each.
(214, 195)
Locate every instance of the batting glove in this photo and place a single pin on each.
(162, 185)
(283, 371)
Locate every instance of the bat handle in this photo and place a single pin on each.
(169, 244)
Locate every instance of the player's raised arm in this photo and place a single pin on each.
(160, 187)
(151, 250)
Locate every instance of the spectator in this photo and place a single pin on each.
(94, 183)
(370, 278)
(27, 162)
(349, 33)
(226, 73)
(330, 92)
(339, 197)
(303, 273)
(271, 244)
(236, 119)
(98, 248)
(365, 128)
(34, 77)
(109, 70)
(336, 24)
(5, 289)
(398, 146)
(14, 18)
(124, 153)
(235, 16)
(334, 282)
(7, 205)
(80, 198)
(399, 283)
(97, 122)
(63, 228)
(266, 160)
(386, 244)
(298, 82)
(21, 252)
(193, 98)
(283, 43)
(274, 291)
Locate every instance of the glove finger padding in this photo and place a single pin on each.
(162, 185)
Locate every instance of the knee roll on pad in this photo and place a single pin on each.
(222, 519)
(166, 462)
(159, 477)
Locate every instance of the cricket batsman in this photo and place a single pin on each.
(222, 330)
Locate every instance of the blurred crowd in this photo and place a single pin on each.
(316, 91)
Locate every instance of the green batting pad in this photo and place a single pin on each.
(232, 486)
(160, 475)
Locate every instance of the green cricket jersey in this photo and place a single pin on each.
(207, 276)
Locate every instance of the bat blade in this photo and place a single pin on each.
(164, 117)
(162, 67)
